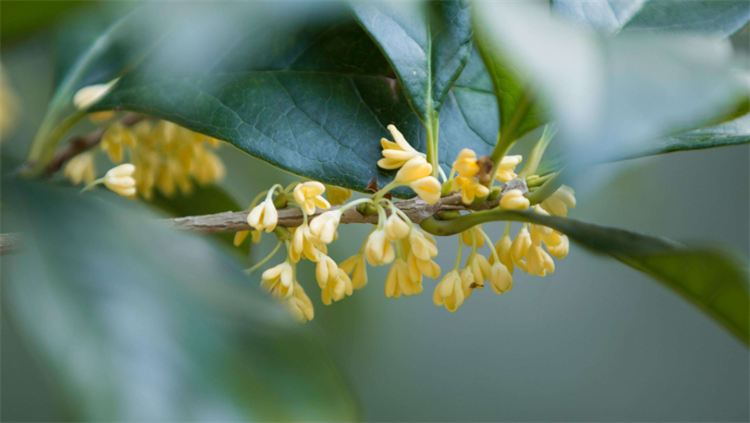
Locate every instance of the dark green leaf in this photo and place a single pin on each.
(427, 43)
(308, 92)
(713, 18)
(19, 19)
(125, 311)
(713, 280)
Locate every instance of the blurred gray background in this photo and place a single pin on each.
(595, 341)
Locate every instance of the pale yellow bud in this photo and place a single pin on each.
(337, 288)
(427, 188)
(470, 189)
(264, 216)
(396, 228)
(558, 203)
(80, 168)
(500, 279)
(324, 226)
(305, 244)
(481, 269)
(120, 180)
(308, 195)
(502, 248)
(416, 168)
(337, 195)
(326, 270)
(505, 171)
(467, 282)
(299, 305)
(514, 200)
(422, 245)
(539, 262)
(396, 276)
(278, 281)
(520, 245)
(449, 292)
(88, 96)
(378, 249)
(255, 236)
(478, 237)
(356, 267)
(419, 267)
(560, 250)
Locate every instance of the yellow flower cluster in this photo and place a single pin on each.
(413, 169)
(166, 157)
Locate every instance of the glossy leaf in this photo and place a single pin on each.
(712, 279)
(714, 18)
(309, 93)
(122, 310)
(426, 43)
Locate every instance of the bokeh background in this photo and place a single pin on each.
(594, 341)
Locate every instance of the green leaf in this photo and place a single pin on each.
(511, 88)
(712, 279)
(734, 132)
(426, 43)
(714, 18)
(208, 199)
(307, 91)
(122, 310)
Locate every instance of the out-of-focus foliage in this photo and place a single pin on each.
(713, 18)
(19, 19)
(140, 322)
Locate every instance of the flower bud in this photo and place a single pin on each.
(396, 228)
(514, 200)
(560, 251)
(278, 281)
(520, 245)
(500, 278)
(427, 188)
(422, 245)
(449, 292)
(120, 180)
(324, 226)
(263, 216)
(356, 267)
(80, 168)
(416, 168)
(378, 249)
(502, 248)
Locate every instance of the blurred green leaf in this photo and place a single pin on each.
(611, 97)
(207, 199)
(139, 322)
(712, 279)
(514, 95)
(426, 43)
(19, 19)
(713, 18)
(306, 90)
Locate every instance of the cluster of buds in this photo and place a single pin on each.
(396, 241)
(166, 156)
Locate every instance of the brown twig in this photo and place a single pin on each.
(84, 143)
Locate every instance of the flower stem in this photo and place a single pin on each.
(262, 262)
(458, 257)
(91, 185)
(378, 195)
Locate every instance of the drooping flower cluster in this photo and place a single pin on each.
(166, 156)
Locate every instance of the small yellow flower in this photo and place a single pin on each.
(120, 180)
(416, 168)
(467, 282)
(419, 267)
(240, 237)
(396, 154)
(324, 226)
(264, 216)
(506, 170)
(326, 270)
(427, 188)
(503, 252)
(299, 304)
(470, 189)
(514, 200)
(337, 288)
(449, 292)
(378, 249)
(422, 244)
(478, 237)
(114, 140)
(520, 245)
(356, 267)
(396, 228)
(278, 281)
(558, 203)
(308, 195)
(81, 168)
(560, 250)
(538, 261)
(481, 269)
(337, 195)
(400, 282)
(466, 164)
(500, 279)
(306, 245)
